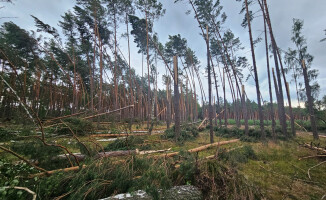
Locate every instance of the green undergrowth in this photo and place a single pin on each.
(254, 134)
(40, 154)
(216, 178)
(12, 175)
(280, 174)
(105, 178)
(129, 143)
(187, 133)
(79, 126)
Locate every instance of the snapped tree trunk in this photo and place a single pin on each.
(310, 101)
(176, 99)
(261, 117)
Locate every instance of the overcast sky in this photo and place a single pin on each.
(175, 21)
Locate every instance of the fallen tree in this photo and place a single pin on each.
(123, 134)
(201, 148)
(320, 150)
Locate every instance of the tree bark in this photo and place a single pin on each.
(310, 101)
(269, 79)
(261, 117)
(280, 98)
(176, 99)
(210, 107)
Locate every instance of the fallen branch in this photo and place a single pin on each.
(312, 156)
(23, 159)
(63, 117)
(93, 116)
(212, 145)
(314, 148)
(22, 188)
(297, 123)
(160, 112)
(106, 154)
(69, 169)
(281, 175)
(118, 135)
(100, 155)
(219, 113)
(201, 123)
(201, 148)
(75, 136)
(97, 115)
(314, 167)
(123, 134)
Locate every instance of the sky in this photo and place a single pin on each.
(176, 21)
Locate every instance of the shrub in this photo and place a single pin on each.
(218, 180)
(38, 152)
(239, 155)
(101, 180)
(226, 132)
(6, 135)
(78, 126)
(13, 175)
(130, 143)
(186, 133)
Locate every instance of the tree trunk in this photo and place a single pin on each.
(280, 98)
(269, 79)
(310, 101)
(210, 107)
(261, 117)
(176, 99)
(168, 106)
(148, 74)
(245, 112)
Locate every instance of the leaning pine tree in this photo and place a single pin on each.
(304, 60)
(261, 117)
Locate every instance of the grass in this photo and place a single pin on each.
(281, 175)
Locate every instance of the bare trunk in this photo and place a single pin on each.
(245, 112)
(310, 101)
(280, 98)
(269, 79)
(176, 99)
(261, 117)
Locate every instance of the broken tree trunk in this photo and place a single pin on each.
(201, 148)
(101, 155)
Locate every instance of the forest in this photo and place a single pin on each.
(81, 118)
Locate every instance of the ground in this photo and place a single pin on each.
(280, 169)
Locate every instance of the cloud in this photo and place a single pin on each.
(176, 21)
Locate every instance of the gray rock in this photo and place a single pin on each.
(140, 194)
(185, 192)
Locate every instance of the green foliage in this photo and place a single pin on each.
(37, 151)
(102, 180)
(6, 135)
(218, 180)
(79, 126)
(226, 132)
(254, 134)
(186, 133)
(188, 169)
(238, 155)
(129, 143)
(13, 175)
